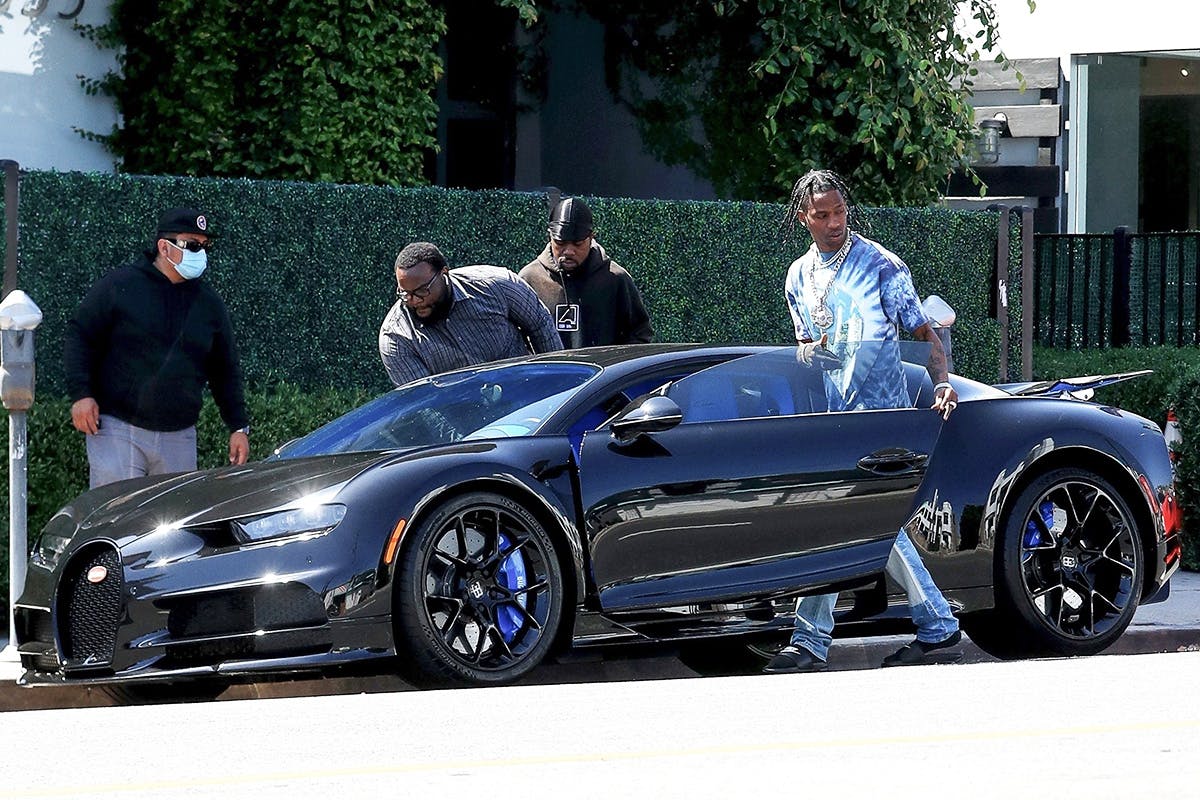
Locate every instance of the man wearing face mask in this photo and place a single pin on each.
(139, 350)
(593, 299)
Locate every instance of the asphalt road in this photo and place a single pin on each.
(1099, 727)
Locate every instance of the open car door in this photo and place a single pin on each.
(737, 482)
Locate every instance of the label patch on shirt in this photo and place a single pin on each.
(566, 316)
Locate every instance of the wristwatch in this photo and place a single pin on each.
(245, 430)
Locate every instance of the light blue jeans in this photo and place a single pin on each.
(929, 609)
(120, 450)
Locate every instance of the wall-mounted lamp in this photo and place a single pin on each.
(988, 142)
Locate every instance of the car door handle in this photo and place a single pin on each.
(890, 462)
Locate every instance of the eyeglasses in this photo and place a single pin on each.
(421, 292)
(191, 245)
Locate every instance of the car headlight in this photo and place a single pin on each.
(53, 541)
(310, 520)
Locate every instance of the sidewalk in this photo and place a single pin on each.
(1172, 625)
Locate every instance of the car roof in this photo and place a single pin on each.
(612, 355)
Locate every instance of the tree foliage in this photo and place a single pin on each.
(752, 93)
(291, 89)
(746, 93)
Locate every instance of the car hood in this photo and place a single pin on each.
(197, 498)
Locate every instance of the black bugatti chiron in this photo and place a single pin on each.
(463, 527)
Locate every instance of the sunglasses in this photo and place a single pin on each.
(192, 246)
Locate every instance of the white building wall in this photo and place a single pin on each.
(41, 100)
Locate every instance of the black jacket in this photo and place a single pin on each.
(609, 307)
(144, 347)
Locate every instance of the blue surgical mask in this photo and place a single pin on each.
(192, 265)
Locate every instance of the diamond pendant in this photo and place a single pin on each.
(822, 317)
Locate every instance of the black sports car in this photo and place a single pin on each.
(466, 525)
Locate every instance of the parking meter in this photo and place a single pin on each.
(19, 315)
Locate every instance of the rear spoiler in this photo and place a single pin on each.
(1076, 387)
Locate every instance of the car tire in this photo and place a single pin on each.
(1071, 570)
(479, 594)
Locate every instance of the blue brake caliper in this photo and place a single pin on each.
(512, 575)
(1033, 536)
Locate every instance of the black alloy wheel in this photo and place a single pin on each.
(479, 594)
(1072, 569)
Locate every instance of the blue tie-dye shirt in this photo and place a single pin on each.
(871, 297)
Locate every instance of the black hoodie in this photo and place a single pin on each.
(597, 299)
(144, 347)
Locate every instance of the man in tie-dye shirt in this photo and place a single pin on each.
(849, 297)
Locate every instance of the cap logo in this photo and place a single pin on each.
(202, 222)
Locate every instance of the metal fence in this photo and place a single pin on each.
(1105, 290)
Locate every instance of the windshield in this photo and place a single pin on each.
(490, 402)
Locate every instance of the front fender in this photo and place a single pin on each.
(536, 470)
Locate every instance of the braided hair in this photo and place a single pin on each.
(810, 184)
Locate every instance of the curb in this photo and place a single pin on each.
(847, 654)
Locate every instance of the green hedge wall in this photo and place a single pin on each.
(306, 270)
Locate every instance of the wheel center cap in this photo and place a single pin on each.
(475, 589)
(1070, 561)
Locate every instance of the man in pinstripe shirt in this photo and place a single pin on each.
(445, 319)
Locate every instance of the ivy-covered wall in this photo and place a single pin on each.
(306, 270)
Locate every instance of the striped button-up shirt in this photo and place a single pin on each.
(494, 315)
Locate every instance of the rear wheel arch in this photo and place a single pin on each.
(1106, 467)
(1019, 626)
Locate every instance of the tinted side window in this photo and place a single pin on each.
(769, 384)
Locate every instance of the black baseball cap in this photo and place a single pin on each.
(184, 220)
(570, 220)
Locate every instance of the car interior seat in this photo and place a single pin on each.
(707, 398)
(765, 396)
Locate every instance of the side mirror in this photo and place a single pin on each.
(654, 413)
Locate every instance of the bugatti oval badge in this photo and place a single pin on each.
(97, 574)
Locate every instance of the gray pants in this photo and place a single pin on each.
(120, 450)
